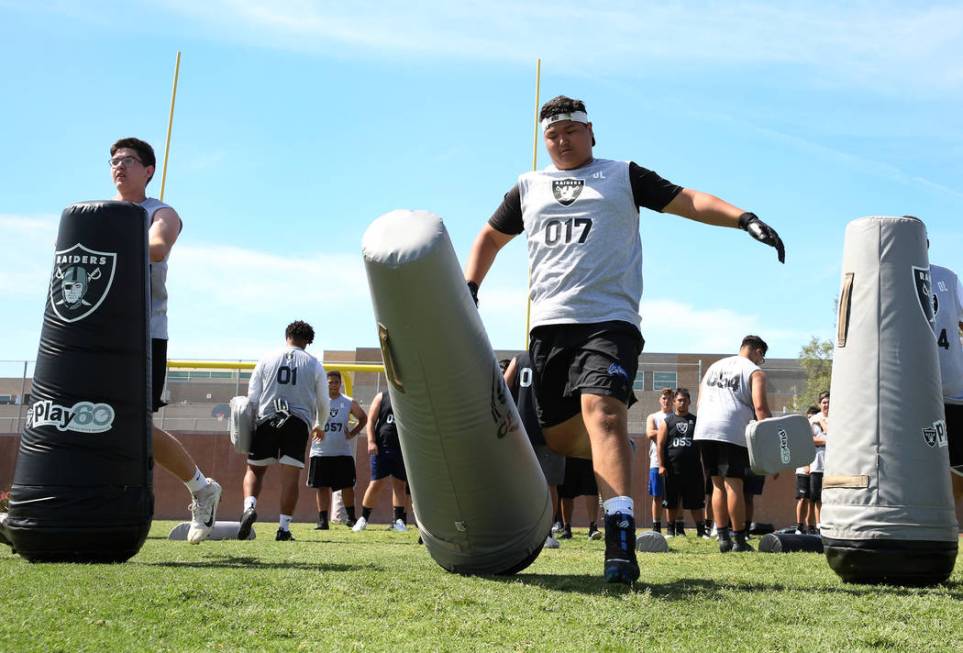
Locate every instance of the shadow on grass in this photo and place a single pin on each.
(250, 562)
(684, 589)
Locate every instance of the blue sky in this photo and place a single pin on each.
(300, 122)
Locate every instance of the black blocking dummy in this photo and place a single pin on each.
(82, 486)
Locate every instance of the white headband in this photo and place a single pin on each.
(575, 116)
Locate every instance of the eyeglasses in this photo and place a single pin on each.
(123, 161)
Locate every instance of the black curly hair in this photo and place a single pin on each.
(299, 330)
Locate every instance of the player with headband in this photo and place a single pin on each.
(581, 215)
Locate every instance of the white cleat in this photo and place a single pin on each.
(399, 526)
(360, 525)
(204, 512)
(551, 543)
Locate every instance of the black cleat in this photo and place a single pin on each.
(321, 526)
(725, 545)
(741, 546)
(566, 533)
(247, 520)
(621, 565)
(283, 536)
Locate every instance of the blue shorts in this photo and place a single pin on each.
(656, 484)
(387, 464)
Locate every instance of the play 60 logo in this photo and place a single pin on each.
(82, 417)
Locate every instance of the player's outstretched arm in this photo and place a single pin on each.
(709, 209)
(483, 252)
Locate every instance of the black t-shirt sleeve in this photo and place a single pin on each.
(507, 218)
(649, 189)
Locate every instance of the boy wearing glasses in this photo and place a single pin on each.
(732, 393)
(132, 164)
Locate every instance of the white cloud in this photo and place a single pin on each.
(672, 326)
(887, 45)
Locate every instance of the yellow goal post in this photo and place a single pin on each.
(347, 369)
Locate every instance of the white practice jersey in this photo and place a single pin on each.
(819, 462)
(158, 279)
(294, 376)
(948, 295)
(725, 401)
(659, 418)
(584, 248)
(335, 442)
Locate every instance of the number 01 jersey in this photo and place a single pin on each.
(292, 376)
(584, 247)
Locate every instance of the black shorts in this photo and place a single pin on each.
(158, 372)
(954, 434)
(686, 486)
(802, 486)
(753, 483)
(816, 487)
(335, 472)
(579, 479)
(569, 359)
(388, 464)
(724, 459)
(285, 445)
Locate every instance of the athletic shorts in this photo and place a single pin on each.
(569, 359)
(816, 486)
(388, 464)
(656, 483)
(724, 459)
(686, 486)
(285, 445)
(579, 479)
(158, 372)
(753, 484)
(552, 464)
(335, 472)
(954, 433)
(802, 486)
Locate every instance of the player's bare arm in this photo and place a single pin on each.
(163, 234)
(372, 440)
(759, 400)
(359, 415)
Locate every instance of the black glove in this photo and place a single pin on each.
(473, 289)
(763, 233)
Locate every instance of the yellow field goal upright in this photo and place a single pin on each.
(347, 369)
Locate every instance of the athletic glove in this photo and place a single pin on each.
(763, 233)
(473, 289)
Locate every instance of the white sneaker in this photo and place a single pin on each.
(360, 525)
(557, 527)
(551, 543)
(204, 512)
(714, 532)
(399, 526)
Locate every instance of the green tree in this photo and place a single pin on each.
(816, 358)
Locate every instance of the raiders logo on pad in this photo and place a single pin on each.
(924, 292)
(566, 191)
(80, 282)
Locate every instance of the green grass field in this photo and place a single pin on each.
(378, 590)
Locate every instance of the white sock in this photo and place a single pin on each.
(197, 483)
(624, 505)
(285, 522)
(250, 503)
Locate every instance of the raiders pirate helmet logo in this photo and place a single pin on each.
(566, 191)
(924, 292)
(682, 427)
(80, 282)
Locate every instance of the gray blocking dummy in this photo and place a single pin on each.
(887, 513)
(479, 495)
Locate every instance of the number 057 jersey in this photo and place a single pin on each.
(584, 248)
(294, 376)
